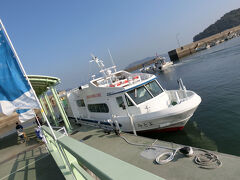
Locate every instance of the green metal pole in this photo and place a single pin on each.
(44, 107)
(51, 109)
(61, 109)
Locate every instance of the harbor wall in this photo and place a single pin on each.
(189, 49)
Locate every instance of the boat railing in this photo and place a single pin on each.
(143, 76)
(179, 95)
(77, 160)
(122, 80)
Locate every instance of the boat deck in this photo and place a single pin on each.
(180, 168)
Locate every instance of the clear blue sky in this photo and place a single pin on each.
(56, 37)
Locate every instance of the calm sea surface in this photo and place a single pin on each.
(214, 74)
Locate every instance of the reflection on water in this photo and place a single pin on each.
(214, 74)
(191, 135)
(168, 73)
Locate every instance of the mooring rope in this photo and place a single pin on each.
(206, 160)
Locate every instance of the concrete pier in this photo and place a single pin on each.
(32, 160)
(189, 49)
(180, 168)
(29, 160)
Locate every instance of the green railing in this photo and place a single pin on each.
(77, 160)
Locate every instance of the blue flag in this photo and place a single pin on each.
(25, 114)
(15, 92)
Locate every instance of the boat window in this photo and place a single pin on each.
(129, 102)
(154, 88)
(80, 103)
(139, 95)
(99, 108)
(120, 102)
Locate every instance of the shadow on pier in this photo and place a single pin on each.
(29, 160)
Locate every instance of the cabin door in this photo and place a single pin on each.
(83, 112)
(121, 111)
(82, 108)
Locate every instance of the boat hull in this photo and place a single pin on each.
(165, 66)
(161, 124)
(172, 118)
(168, 123)
(171, 129)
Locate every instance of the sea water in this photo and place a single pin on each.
(214, 74)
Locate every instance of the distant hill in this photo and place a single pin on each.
(139, 61)
(146, 60)
(228, 20)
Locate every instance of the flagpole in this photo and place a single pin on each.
(39, 124)
(23, 71)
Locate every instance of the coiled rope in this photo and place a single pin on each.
(207, 160)
(158, 159)
(170, 157)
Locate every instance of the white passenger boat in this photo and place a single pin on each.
(133, 102)
(148, 69)
(162, 64)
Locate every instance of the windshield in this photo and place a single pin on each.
(154, 88)
(139, 95)
(146, 92)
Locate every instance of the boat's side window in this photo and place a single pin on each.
(98, 108)
(80, 103)
(120, 102)
(154, 88)
(129, 102)
(139, 95)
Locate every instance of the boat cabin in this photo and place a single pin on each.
(118, 95)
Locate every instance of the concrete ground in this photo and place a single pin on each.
(29, 160)
(181, 167)
(32, 161)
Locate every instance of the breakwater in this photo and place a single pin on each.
(193, 47)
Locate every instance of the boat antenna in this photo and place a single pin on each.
(114, 66)
(99, 63)
(89, 71)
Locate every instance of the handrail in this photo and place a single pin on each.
(102, 165)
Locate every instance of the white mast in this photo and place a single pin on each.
(100, 64)
(107, 72)
(114, 66)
